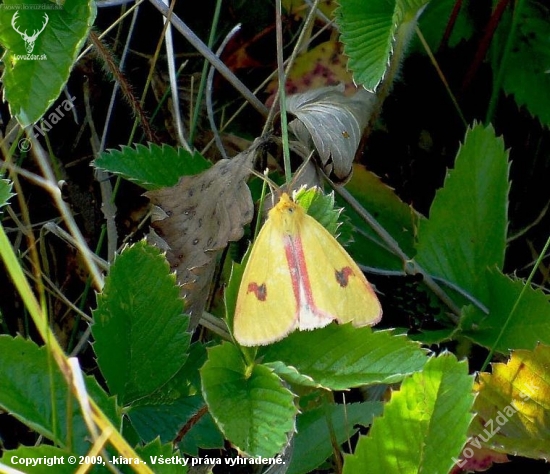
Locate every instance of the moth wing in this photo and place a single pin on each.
(338, 285)
(266, 309)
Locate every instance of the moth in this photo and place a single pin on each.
(299, 277)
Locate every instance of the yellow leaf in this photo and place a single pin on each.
(513, 405)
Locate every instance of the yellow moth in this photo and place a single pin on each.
(299, 277)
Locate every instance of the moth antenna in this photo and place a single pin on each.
(301, 170)
(264, 177)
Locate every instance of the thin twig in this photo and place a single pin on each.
(198, 44)
(298, 48)
(111, 67)
(410, 266)
(209, 87)
(528, 227)
(441, 76)
(525, 287)
(169, 44)
(202, 85)
(107, 31)
(63, 235)
(62, 206)
(102, 177)
(273, 110)
(281, 76)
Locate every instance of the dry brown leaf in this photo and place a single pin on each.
(195, 220)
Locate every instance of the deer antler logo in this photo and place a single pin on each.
(29, 40)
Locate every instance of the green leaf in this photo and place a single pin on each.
(396, 217)
(16, 458)
(184, 383)
(410, 436)
(466, 231)
(321, 207)
(163, 420)
(435, 20)
(139, 330)
(30, 380)
(166, 420)
(188, 380)
(205, 434)
(151, 453)
(433, 337)
(167, 410)
(5, 192)
(313, 441)
(31, 85)
(249, 404)
(341, 357)
(369, 30)
(291, 375)
(527, 75)
(152, 167)
(528, 323)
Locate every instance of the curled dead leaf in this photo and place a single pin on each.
(195, 219)
(334, 123)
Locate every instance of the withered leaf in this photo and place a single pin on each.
(197, 217)
(334, 122)
(513, 406)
